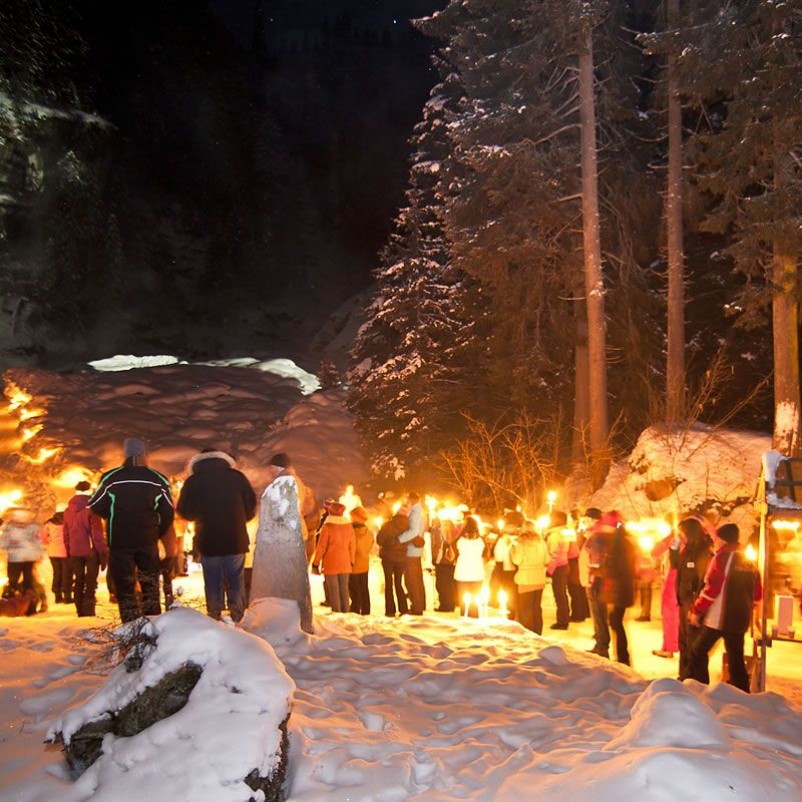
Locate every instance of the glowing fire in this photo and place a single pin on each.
(649, 527)
(349, 499)
(17, 398)
(71, 477)
(9, 499)
(31, 431)
(43, 456)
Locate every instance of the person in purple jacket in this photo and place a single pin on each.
(87, 552)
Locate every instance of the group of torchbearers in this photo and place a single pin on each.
(709, 589)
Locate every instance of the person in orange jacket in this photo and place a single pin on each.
(335, 555)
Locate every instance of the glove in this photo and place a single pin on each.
(104, 562)
(315, 569)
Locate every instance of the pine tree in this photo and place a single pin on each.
(516, 216)
(415, 359)
(742, 61)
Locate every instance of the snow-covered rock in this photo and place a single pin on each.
(232, 727)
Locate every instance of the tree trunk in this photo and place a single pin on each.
(675, 365)
(581, 397)
(594, 282)
(785, 323)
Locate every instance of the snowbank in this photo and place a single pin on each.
(685, 470)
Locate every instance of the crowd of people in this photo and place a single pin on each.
(594, 566)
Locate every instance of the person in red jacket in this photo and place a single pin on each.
(724, 608)
(87, 552)
(335, 555)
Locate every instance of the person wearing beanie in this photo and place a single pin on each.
(87, 551)
(724, 608)
(221, 501)
(280, 563)
(137, 504)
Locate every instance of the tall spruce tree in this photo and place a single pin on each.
(416, 359)
(744, 60)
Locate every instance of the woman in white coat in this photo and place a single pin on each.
(469, 568)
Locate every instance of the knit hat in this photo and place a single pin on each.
(593, 512)
(728, 533)
(558, 518)
(280, 460)
(359, 514)
(133, 447)
(83, 487)
(336, 508)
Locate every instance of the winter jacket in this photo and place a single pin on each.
(21, 542)
(732, 586)
(416, 526)
(137, 504)
(391, 549)
(336, 549)
(52, 536)
(364, 543)
(529, 553)
(83, 531)
(619, 582)
(501, 551)
(694, 560)
(221, 501)
(557, 546)
(470, 564)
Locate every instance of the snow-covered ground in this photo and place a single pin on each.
(385, 710)
(435, 708)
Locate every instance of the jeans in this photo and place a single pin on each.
(393, 581)
(219, 573)
(598, 610)
(559, 585)
(413, 578)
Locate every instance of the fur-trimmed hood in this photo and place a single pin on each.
(196, 462)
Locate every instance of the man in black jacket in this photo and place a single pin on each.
(136, 502)
(220, 500)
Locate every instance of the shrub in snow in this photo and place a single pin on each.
(198, 710)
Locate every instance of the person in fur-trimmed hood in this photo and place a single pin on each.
(220, 501)
(335, 555)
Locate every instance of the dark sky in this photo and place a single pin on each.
(255, 181)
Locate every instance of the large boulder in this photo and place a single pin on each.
(198, 710)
